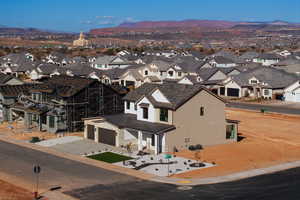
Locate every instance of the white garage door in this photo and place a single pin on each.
(293, 97)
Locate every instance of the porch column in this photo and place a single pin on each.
(140, 138)
(96, 133)
(156, 142)
(10, 115)
(85, 131)
(218, 91)
(225, 92)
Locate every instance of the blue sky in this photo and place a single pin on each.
(81, 15)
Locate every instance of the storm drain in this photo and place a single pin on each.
(185, 187)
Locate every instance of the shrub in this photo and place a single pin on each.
(263, 110)
(35, 139)
(198, 146)
(191, 147)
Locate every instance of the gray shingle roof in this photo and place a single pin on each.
(273, 77)
(206, 73)
(177, 94)
(130, 121)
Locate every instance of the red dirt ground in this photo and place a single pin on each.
(269, 139)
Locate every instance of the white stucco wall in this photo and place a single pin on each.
(151, 111)
(131, 110)
(158, 96)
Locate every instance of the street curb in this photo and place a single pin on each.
(230, 177)
(257, 111)
(149, 177)
(82, 159)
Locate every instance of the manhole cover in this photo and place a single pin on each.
(184, 188)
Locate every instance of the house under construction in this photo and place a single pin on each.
(60, 103)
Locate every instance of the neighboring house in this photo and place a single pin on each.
(110, 62)
(220, 61)
(60, 103)
(262, 82)
(9, 95)
(9, 80)
(284, 53)
(165, 117)
(17, 64)
(292, 92)
(267, 59)
(42, 71)
(249, 56)
(190, 80)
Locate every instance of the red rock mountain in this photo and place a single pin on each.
(184, 23)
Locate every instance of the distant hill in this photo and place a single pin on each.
(265, 25)
(194, 27)
(182, 24)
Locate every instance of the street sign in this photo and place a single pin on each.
(168, 156)
(36, 169)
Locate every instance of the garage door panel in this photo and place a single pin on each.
(107, 136)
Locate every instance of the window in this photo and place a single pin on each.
(230, 131)
(253, 81)
(266, 92)
(163, 114)
(127, 105)
(201, 111)
(179, 74)
(135, 107)
(146, 72)
(145, 113)
(34, 117)
(44, 119)
(161, 73)
(51, 121)
(122, 82)
(170, 73)
(186, 140)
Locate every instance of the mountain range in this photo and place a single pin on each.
(190, 25)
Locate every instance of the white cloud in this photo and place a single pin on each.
(108, 20)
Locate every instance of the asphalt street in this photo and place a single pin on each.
(88, 182)
(19, 161)
(269, 108)
(278, 186)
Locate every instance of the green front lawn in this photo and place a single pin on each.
(109, 157)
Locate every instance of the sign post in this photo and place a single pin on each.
(168, 156)
(36, 170)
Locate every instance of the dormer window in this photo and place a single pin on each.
(146, 72)
(170, 73)
(253, 81)
(179, 74)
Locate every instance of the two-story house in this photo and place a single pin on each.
(60, 103)
(165, 117)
